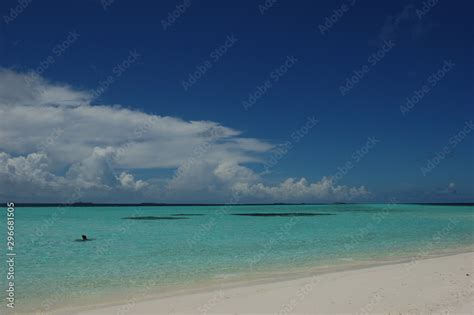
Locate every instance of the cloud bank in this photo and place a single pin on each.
(56, 145)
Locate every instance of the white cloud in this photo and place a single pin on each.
(95, 170)
(128, 181)
(30, 89)
(233, 173)
(301, 190)
(53, 141)
(32, 168)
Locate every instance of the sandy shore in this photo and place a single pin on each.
(435, 285)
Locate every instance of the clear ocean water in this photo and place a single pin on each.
(208, 244)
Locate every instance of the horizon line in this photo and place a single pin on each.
(160, 204)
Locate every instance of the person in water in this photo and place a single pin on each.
(84, 237)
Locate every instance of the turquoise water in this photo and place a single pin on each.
(52, 269)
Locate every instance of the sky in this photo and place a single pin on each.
(247, 101)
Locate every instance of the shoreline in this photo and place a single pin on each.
(211, 291)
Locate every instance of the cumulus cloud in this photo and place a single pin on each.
(54, 141)
(30, 89)
(301, 190)
(32, 168)
(128, 181)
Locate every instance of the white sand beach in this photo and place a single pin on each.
(434, 285)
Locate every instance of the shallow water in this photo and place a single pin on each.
(208, 243)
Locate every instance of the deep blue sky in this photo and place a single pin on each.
(311, 86)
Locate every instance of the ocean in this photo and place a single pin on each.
(136, 252)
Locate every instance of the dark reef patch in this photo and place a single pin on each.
(276, 214)
(154, 218)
